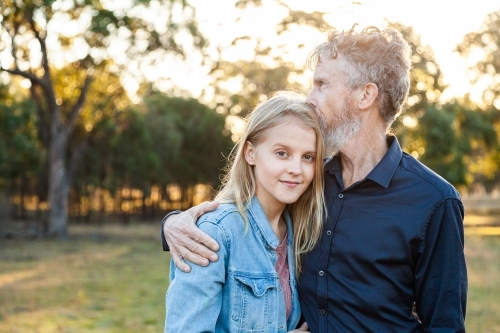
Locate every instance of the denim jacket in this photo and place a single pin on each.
(241, 291)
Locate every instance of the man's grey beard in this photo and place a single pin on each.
(341, 129)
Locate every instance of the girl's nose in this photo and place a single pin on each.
(295, 166)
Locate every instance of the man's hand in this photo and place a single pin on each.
(186, 241)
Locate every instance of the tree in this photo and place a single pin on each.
(181, 129)
(21, 155)
(26, 28)
(485, 44)
(426, 84)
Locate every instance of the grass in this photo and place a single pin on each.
(483, 265)
(108, 280)
(114, 278)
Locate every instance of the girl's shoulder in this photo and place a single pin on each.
(225, 216)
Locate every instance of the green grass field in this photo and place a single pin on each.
(114, 278)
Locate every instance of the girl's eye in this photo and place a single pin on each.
(309, 158)
(281, 153)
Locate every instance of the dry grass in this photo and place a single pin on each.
(113, 279)
(110, 279)
(483, 264)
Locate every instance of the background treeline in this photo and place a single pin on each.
(163, 154)
(74, 142)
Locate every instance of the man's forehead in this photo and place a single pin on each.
(325, 69)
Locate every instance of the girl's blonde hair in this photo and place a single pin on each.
(238, 185)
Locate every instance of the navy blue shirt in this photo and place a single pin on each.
(390, 240)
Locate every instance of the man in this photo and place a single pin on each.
(393, 238)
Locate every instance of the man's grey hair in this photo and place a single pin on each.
(374, 56)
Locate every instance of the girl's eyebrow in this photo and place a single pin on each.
(277, 145)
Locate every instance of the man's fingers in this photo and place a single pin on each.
(197, 251)
(188, 243)
(180, 263)
(210, 244)
(203, 208)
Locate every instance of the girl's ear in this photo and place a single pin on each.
(249, 151)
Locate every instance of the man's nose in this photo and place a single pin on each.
(310, 98)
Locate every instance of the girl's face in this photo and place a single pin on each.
(284, 163)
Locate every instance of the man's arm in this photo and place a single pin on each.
(185, 241)
(441, 274)
(194, 300)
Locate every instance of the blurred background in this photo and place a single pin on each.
(113, 113)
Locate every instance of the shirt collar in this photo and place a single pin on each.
(383, 171)
(259, 222)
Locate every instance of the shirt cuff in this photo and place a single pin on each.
(163, 240)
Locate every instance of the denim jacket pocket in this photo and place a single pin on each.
(254, 302)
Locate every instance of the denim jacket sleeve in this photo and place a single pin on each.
(441, 273)
(194, 299)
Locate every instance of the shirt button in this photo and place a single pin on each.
(328, 232)
(341, 195)
(322, 311)
(321, 273)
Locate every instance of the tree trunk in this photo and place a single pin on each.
(21, 199)
(58, 194)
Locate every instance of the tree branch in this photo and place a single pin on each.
(79, 103)
(43, 46)
(13, 45)
(30, 76)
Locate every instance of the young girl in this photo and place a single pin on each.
(270, 213)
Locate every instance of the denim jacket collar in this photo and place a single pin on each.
(260, 224)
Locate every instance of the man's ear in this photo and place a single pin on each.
(368, 96)
(249, 151)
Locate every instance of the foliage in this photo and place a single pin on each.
(486, 43)
(159, 142)
(20, 151)
(35, 46)
(188, 137)
(257, 82)
(425, 89)
(483, 47)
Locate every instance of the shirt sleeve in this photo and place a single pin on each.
(441, 273)
(163, 240)
(194, 299)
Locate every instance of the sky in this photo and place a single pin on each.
(440, 23)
